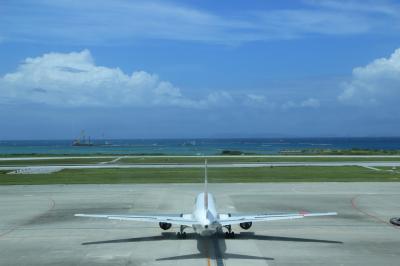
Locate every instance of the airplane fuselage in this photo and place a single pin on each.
(206, 214)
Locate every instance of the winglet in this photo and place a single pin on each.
(205, 186)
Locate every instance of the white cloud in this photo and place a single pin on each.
(107, 22)
(219, 98)
(255, 98)
(365, 6)
(311, 102)
(376, 83)
(308, 103)
(74, 80)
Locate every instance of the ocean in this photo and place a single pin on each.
(194, 146)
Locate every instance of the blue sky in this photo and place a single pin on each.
(154, 69)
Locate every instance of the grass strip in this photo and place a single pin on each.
(195, 175)
(245, 159)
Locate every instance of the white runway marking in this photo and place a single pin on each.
(372, 168)
(35, 170)
(53, 168)
(113, 161)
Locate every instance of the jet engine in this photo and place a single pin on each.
(165, 226)
(246, 226)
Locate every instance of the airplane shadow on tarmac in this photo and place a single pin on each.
(213, 247)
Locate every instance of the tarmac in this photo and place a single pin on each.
(37, 226)
(62, 157)
(56, 168)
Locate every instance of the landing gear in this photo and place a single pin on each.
(181, 234)
(230, 233)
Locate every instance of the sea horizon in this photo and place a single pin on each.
(196, 146)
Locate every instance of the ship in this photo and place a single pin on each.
(83, 140)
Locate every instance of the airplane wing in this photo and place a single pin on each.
(176, 220)
(237, 219)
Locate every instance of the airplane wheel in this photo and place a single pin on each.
(179, 235)
(229, 234)
(184, 235)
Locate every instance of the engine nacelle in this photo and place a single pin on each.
(246, 226)
(165, 226)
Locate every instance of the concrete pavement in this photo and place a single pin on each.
(37, 226)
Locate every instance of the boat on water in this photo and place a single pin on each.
(83, 141)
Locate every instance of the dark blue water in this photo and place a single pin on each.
(195, 146)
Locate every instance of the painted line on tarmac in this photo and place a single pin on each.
(354, 206)
(112, 161)
(371, 168)
(208, 254)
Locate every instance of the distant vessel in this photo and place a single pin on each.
(83, 140)
(189, 143)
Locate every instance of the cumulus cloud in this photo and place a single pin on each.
(74, 80)
(374, 84)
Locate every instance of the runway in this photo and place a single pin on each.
(55, 168)
(37, 226)
(30, 158)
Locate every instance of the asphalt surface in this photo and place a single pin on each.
(192, 156)
(52, 168)
(37, 226)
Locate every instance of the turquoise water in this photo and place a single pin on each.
(195, 146)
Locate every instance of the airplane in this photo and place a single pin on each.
(205, 220)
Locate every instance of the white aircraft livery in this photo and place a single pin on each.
(205, 219)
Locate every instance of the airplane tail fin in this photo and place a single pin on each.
(205, 186)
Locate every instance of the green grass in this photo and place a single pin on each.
(387, 168)
(244, 159)
(195, 175)
(353, 151)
